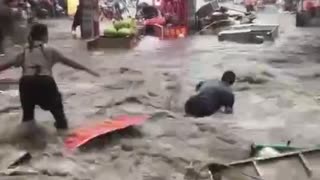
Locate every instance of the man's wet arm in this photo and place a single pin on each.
(15, 62)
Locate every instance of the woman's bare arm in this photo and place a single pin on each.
(16, 61)
(73, 64)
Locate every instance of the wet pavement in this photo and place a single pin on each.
(276, 100)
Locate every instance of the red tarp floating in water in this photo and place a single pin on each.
(83, 135)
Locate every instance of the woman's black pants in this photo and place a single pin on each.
(41, 91)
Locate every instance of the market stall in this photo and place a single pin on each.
(175, 15)
(168, 19)
(119, 34)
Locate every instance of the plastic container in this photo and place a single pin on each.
(173, 32)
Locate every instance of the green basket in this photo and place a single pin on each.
(281, 148)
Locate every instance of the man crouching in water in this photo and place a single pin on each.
(37, 86)
(212, 95)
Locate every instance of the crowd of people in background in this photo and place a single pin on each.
(12, 11)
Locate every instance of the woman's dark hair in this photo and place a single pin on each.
(229, 77)
(37, 33)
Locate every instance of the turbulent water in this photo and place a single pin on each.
(276, 101)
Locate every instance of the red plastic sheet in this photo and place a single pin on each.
(81, 136)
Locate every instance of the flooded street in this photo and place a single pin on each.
(277, 99)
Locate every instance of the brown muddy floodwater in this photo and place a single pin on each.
(276, 101)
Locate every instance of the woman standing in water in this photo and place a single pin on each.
(6, 22)
(76, 20)
(37, 85)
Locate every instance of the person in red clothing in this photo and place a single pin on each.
(310, 6)
(170, 13)
(250, 5)
(169, 9)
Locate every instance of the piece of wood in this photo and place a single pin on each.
(256, 168)
(237, 166)
(19, 171)
(103, 42)
(305, 164)
(87, 20)
(10, 157)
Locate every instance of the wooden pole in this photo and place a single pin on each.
(89, 20)
(191, 17)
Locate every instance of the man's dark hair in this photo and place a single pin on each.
(38, 31)
(229, 77)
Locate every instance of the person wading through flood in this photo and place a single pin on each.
(6, 22)
(76, 20)
(37, 86)
(212, 95)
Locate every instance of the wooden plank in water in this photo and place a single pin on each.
(288, 166)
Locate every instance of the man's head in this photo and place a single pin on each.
(39, 32)
(228, 77)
